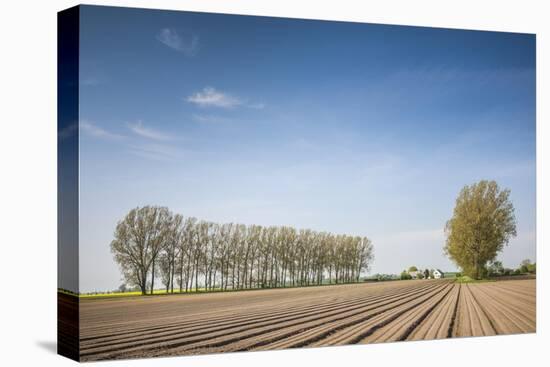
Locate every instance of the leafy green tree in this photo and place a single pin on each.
(413, 268)
(483, 222)
(525, 262)
(523, 266)
(527, 267)
(426, 273)
(496, 268)
(405, 275)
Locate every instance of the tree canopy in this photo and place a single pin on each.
(526, 266)
(426, 273)
(483, 222)
(152, 242)
(139, 238)
(405, 275)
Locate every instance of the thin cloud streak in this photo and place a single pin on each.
(155, 151)
(210, 97)
(186, 43)
(154, 147)
(98, 132)
(139, 129)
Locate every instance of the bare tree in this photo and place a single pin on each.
(170, 254)
(138, 241)
(152, 240)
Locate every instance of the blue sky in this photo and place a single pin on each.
(344, 127)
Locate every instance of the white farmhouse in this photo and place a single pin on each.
(438, 274)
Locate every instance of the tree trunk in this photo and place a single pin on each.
(153, 277)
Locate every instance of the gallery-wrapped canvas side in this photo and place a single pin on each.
(67, 183)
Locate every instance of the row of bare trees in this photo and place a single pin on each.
(151, 243)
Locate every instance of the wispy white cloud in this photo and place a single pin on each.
(210, 97)
(185, 42)
(146, 132)
(98, 132)
(156, 151)
(144, 142)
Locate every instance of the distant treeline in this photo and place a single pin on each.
(151, 242)
(496, 269)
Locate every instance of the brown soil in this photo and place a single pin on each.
(303, 317)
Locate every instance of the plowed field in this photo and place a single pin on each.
(303, 317)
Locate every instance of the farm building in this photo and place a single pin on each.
(438, 274)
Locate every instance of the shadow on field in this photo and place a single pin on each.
(48, 345)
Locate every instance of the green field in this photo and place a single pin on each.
(129, 293)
